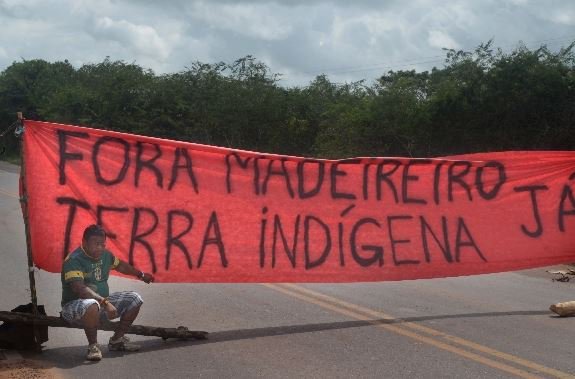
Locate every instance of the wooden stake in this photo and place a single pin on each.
(24, 203)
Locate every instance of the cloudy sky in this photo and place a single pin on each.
(346, 39)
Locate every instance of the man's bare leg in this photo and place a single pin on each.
(91, 321)
(118, 341)
(126, 321)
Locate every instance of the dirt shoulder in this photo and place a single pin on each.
(26, 369)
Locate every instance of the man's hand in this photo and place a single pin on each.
(148, 278)
(128, 269)
(110, 310)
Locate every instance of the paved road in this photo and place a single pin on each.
(488, 326)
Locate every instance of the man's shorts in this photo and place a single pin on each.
(74, 310)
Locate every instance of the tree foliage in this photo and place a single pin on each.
(482, 100)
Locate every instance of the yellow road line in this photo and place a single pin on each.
(437, 334)
(8, 193)
(434, 337)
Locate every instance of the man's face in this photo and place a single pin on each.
(94, 246)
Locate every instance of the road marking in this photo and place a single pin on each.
(3, 192)
(434, 337)
(438, 334)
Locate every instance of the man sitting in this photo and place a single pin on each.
(85, 294)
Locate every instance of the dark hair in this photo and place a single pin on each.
(93, 230)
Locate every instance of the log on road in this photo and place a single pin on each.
(180, 332)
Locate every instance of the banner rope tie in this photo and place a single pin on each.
(12, 126)
(9, 128)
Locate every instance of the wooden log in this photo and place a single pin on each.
(180, 332)
(564, 309)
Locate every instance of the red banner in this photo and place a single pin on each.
(196, 213)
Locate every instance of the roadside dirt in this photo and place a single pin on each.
(25, 369)
(542, 272)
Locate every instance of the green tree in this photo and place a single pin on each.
(481, 100)
(28, 87)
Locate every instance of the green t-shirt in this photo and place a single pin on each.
(94, 272)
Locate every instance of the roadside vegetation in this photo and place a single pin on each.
(481, 100)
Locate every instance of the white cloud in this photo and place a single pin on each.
(518, 2)
(348, 40)
(564, 16)
(265, 22)
(142, 39)
(440, 39)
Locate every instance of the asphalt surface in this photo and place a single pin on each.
(486, 326)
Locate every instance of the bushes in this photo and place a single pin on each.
(483, 100)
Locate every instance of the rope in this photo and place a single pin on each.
(12, 126)
(5, 131)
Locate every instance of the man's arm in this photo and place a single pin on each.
(85, 292)
(128, 269)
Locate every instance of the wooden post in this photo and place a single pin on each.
(24, 206)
